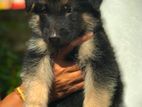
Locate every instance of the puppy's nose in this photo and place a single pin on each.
(54, 38)
(53, 35)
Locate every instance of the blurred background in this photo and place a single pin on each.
(123, 24)
(14, 31)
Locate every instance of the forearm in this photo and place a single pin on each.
(12, 100)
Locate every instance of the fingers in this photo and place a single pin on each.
(73, 68)
(76, 76)
(70, 81)
(75, 43)
(59, 70)
(65, 92)
(65, 79)
(76, 87)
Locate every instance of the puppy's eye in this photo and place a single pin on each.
(68, 9)
(39, 8)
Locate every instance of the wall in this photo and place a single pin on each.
(123, 23)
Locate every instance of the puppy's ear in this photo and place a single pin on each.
(96, 4)
(29, 4)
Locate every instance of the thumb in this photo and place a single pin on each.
(75, 43)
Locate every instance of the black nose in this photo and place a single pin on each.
(54, 40)
(53, 35)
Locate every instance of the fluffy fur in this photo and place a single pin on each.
(55, 23)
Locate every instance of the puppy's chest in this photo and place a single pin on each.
(72, 56)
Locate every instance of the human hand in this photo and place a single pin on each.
(68, 76)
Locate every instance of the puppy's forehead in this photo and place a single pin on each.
(61, 2)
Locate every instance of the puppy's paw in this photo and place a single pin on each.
(90, 103)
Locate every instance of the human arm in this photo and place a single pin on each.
(68, 77)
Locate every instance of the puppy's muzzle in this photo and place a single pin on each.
(54, 39)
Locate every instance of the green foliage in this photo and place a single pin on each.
(14, 33)
(9, 69)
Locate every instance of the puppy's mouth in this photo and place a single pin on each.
(57, 42)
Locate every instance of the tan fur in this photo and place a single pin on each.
(95, 96)
(86, 50)
(34, 24)
(88, 21)
(64, 1)
(38, 44)
(38, 86)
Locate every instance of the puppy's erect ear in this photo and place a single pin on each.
(96, 4)
(29, 4)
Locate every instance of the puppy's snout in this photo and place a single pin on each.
(54, 38)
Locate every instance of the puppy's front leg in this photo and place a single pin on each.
(100, 78)
(96, 94)
(37, 75)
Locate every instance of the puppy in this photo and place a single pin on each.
(54, 24)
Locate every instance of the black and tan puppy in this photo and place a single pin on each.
(55, 23)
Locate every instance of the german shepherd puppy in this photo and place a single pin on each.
(54, 23)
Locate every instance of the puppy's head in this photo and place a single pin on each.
(61, 21)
